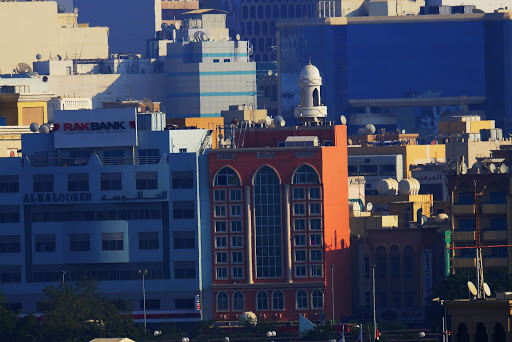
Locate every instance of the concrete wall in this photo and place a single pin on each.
(131, 22)
(30, 28)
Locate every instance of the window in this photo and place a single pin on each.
(78, 182)
(110, 181)
(235, 195)
(226, 177)
(314, 193)
(216, 61)
(237, 258)
(315, 255)
(298, 194)
(300, 271)
(184, 303)
(184, 270)
(151, 304)
(238, 272)
(317, 299)
(148, 240)
(498, 197)
(10, 244)
(219, 211)
(299, 224)
(221, 257)
(9, 214)
(221, 273)
(227, 60)
(299, 209)
(149, 156)
(219, 195)
(300, 256)
(220, 226)
(182, 179)
(43, 183)
(301, 301)
(236, 210)
(79, 242)
(236, 242)
(112, 241)
(305, 175)
(261, 300)
(238, 301)
(184, 240)
(183, 150)
(113, 157)
(45, 243)
(394, 261)
(13, 307)
(9, 184)
(146, 180)
(315, 239)
(183, 209)
(277, 300)
(221, 242)
(222, 301)
(316, 270)
(299, 240)
(315, 224)
(236, 226)
(315, 208)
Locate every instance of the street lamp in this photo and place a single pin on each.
(445, 323)
(332, 292)
(373, 302)
(144, 272)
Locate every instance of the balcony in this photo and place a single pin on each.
(463, 209)
(496, 262)
(488, 235)
(494, 208)
(463, 236)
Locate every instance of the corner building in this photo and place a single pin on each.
(280, 224)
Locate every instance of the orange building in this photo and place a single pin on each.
(280, 224)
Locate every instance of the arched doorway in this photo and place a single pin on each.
(499, 333)
(481, 333)
(462, 333)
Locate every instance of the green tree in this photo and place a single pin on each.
(7, 321)
(78, 312)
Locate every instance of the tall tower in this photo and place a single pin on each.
(310, 108)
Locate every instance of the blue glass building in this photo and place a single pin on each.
(410, 67)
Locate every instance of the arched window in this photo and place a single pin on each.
(262, 301)
(305, 175)
(317, 299)
(394, 259)
(316, 98)
(222, 301)
(226, 177)
(301, 299)
(409, 262)
(277, 300)
(238, 301)
(381, 260)
(267, 213)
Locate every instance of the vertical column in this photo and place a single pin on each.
(288, 236)
(248, 224)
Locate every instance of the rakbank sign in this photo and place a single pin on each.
(94, 126)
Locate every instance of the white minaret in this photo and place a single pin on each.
(310, 108)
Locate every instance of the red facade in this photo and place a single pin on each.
(280, 226)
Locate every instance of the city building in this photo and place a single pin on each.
(205, 72)
(280, 222)
(21, 109)
(488, 6)
(66, 103)
(172, 10)
(97, 196)
(130, 22)
(32, 30)
(372, 66)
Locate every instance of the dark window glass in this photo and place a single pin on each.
(183, 209)
(9, 184)
(146, 180)
(79, 242)
(111, 181)
(148, 240)
(182, 179)
(112, 242)
(43, 183)
(78, 182)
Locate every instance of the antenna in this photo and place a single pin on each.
(487, 290)
(504, 168)
(38, 56)
(423, 220)
(237, 37)
(343, 120)
(472, 288)
(279, 121)
(492, 168)
(45, 128)
(369, 129)
(34, 127)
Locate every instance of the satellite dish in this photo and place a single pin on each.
(278, 121)
(360, 131)
(164, 26)
(75, 10)
(503, 168)
(237, 37)
(22, 68)
(268, 121)
(492, 167)
(369, 206)
(343, 120)
(38, 56)
(369, 129)
(61, 9)
(487, 290)
(403, 131)
(423, 220)
(34, 127)
(350, 142)
(44, 128)
(472, 288)
(177, 25)
(269, 72)
(463, 168)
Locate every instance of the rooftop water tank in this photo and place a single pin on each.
(409, 186)
(387, 186)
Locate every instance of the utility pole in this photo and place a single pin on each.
(144, 294)
(332, 292)
(373, 303)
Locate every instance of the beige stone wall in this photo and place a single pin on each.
(31, 28)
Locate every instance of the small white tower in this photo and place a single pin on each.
(310, 108)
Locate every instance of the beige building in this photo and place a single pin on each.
(32, 28)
